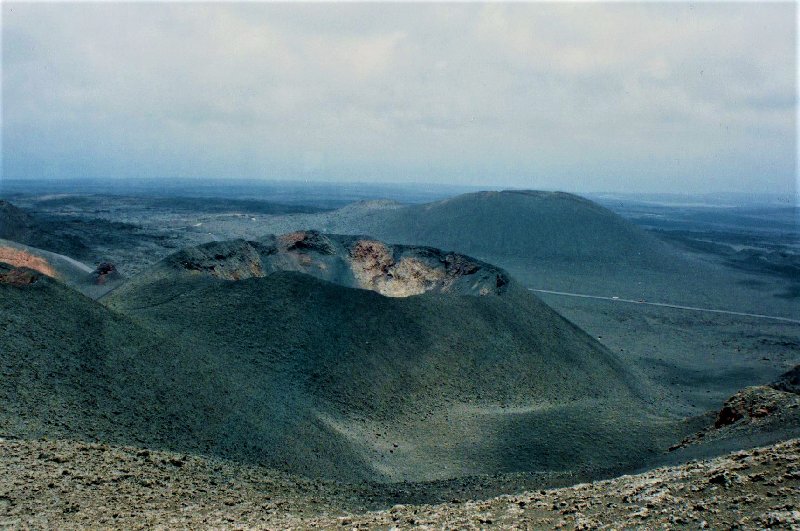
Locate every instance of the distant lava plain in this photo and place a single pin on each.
(328, 356)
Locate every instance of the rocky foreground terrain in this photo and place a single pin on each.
(64, 484)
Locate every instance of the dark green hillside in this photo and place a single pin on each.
(517, 224)
(71, 368)
(361, 345)
(19, 226)
(232, 349)
(424, 387)
(74, 369)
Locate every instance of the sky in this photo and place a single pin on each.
(583, 97)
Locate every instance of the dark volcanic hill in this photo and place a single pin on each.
(19, 226)
(351, 261)
(72, 368)
(15, 222)
(531, 224)
(295, 365)
(458, 371)
(512, 224)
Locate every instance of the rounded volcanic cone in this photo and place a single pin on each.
(514, 224)
(436, 366)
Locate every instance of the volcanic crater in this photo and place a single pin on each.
(351, 261)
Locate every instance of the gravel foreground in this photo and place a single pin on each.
(72, 485)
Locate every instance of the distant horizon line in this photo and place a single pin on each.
(14, 182)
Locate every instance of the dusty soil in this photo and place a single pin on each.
(744, 490)
(64, 484)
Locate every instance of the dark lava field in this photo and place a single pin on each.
(383, 346)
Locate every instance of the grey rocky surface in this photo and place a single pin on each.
(48, 484)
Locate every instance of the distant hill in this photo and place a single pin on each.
(315, 377)
(530, 224)
(15, 222)
(21, 227)
(500, 225)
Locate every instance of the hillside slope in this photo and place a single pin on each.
(91, 282)
(72, 368)
(512, 224)
(20, 226)
(496, 226)
(437, 385)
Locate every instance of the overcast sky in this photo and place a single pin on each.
(582, 97)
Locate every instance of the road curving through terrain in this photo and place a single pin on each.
(666, 305)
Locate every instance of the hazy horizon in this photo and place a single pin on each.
(609, 97)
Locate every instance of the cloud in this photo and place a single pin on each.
(610, 96)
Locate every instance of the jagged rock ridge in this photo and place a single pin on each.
(351, 261)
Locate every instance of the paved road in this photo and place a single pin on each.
(665, 305)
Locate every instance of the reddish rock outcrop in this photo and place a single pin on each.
(750, 403)
(18, 277)
(105, 271)
(19, 258)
